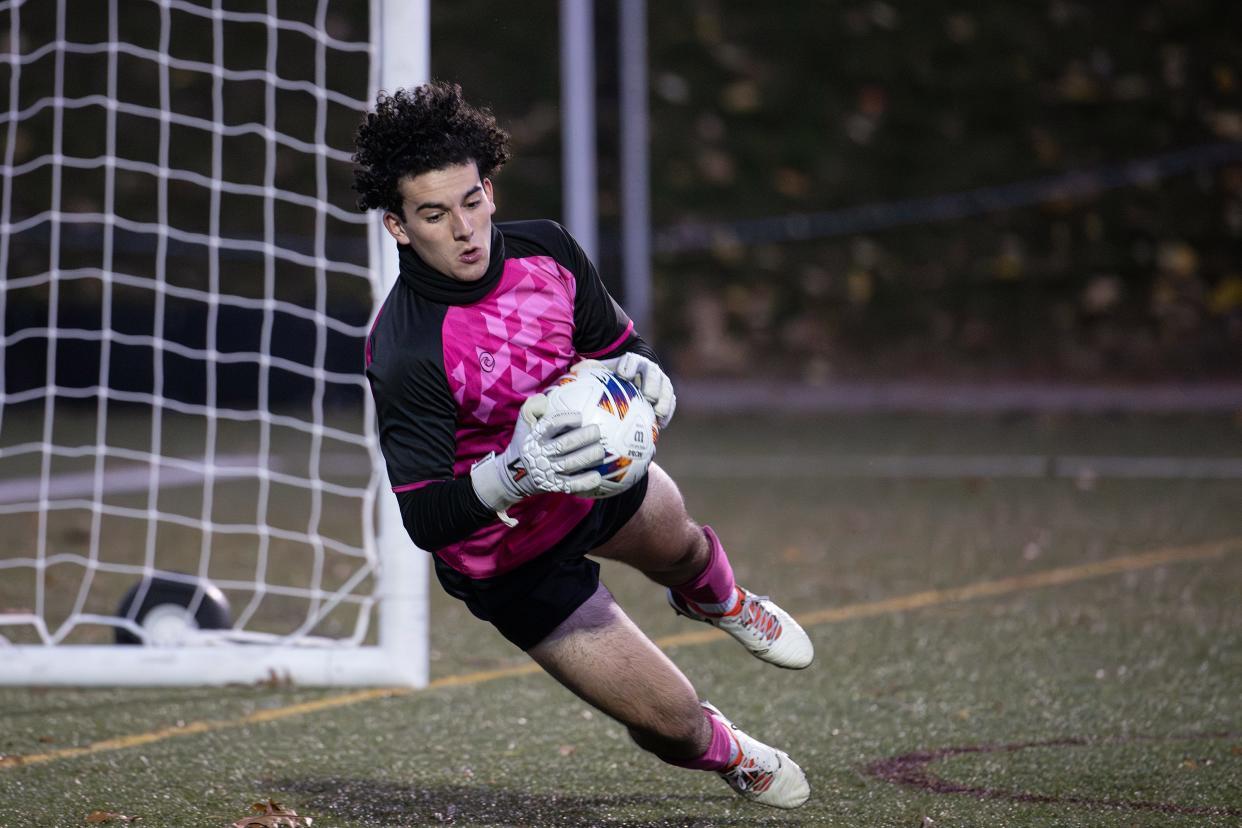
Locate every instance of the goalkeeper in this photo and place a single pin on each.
(482, 319)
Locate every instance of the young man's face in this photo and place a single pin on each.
(448, 220)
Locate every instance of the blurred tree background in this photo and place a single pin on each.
(809, 107)
(859, 189)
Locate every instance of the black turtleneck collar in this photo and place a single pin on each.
(434, 285)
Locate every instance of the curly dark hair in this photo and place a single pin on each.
(413, 131)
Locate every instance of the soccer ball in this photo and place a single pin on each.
(627, 423)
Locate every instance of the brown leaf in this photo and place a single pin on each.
(272, 815)
(567, 750)
(273, 821)
(110, 816)
(275, 681)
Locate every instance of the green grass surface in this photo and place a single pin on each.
(1117, 696)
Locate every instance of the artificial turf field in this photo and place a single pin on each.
(994, 648)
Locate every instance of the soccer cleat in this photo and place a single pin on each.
(765, 629)
(761, 773)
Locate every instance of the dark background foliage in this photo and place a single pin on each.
(811, 107)
(1047, 190)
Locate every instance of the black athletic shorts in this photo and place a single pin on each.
(527, 603)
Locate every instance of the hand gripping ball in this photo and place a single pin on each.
(627, 423)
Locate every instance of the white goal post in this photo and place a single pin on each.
(188, 449)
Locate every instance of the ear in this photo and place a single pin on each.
(487, 188)
(395, 227)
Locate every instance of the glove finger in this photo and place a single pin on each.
(557, 423)
(628, 367)
(582, 483)
(575, 461)
(647, 376)
(572, 440)
(585, 365)
(654, 385)
(534, 408)
(665, 405)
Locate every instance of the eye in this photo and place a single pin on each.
(470, 205)
(432, 218)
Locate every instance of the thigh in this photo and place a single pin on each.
(661, 537)
(602, 656)
(526, 603)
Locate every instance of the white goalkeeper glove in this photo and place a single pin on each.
(650, 379)
(552, 453)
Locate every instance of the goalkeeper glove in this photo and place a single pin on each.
(650, 379)
(553, 453)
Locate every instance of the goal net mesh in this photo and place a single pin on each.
(185, 295)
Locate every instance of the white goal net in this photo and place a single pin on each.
(188, 460)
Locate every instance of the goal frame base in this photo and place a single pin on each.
(197, 666)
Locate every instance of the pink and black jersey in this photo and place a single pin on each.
(450, 363)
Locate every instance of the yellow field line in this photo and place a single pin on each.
(866, 609)
(987, 589)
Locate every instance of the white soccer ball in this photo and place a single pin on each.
(627, 423)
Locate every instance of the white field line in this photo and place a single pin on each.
(953, 466)
(135, 478)
(715, 467)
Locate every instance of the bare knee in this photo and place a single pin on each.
(685, 735)
(692, 557)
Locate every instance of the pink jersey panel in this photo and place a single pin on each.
(502, 349)
(496, 548)
(497, 352)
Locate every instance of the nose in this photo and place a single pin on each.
(462, 228)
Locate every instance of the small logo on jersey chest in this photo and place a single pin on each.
(486, 361)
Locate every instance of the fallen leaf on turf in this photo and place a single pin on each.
(275, 681)
(272, 815)
(109, 816)
(567, 750)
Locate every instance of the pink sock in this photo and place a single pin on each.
(714, 589)
(719, 754)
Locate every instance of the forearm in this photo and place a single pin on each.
(443, 512)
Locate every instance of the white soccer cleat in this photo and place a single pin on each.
(761, 773)
(770, 633)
